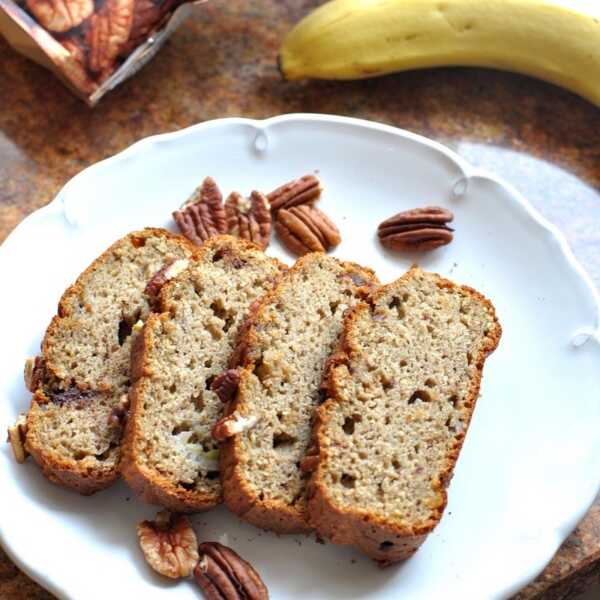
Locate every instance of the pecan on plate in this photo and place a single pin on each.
(169, 545)
(417, 229)
(305, 190)
(60, 15)
(222, 574)
(305, 229)
(108, 32)
(16, 438)
(202, 216)
(249, 218)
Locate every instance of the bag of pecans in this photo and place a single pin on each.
(92, 45)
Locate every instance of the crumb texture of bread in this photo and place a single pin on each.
(85, 357)
(169, 455)
(402, 389)
(283, 354)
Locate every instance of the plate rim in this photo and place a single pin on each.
(562, 529)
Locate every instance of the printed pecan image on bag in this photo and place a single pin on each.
(92, 45)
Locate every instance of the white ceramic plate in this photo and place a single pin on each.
(530, 466)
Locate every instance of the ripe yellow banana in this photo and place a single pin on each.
(555, 40)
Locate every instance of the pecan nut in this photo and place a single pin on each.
(202, 216)
(169, 545)
(73, 65)
(148, 16)
(310, 461)
(226, 384)
(231, 425)
(60, 15)
(305, 190)
(119, 412)
(417, 229)
(108, 32)
(170, 270)
(249, 218)
(34, 373)
(16, 437)
(305, 229)
(222, 574)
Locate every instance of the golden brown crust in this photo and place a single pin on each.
(238, 495)
(145, 482)
(71, 473)
(360, 528)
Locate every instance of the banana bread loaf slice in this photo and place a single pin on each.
(402, 389)
(282, 354)
(80, 380)
(169, 455)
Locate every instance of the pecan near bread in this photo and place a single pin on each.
(169, 545)
(305, 228)
(222, 574)
(305, 190)
(203, 215)
(60, 15)
(249, 218)
(417, 229)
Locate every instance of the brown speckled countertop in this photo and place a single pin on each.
(222, 63)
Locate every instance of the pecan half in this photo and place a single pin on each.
(108, 32)
(310, 461)
(202, 216)
(226, 384)
(222, 574)
(305, 229)
(171, 269)
(417, 229)
(119, 412)
(231, 425)
(305, 190)
(16, 437)
(169, 545)
(249, 218)
(34, 373)
(60, 15)
(74, 65)
(148, 16)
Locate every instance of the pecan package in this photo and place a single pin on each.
(92, 45)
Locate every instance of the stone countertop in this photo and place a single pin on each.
(222, 63)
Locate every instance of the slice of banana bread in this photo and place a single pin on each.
(81, 378)
(282, 354)
(402, 389)
(169, 456)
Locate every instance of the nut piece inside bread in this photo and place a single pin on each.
(169, 456)
(282, 353)
(402, 389)
(83, 371)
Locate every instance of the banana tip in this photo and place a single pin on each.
(280, 67)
